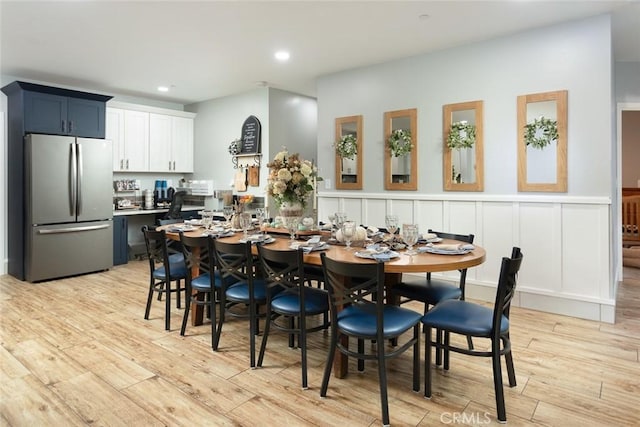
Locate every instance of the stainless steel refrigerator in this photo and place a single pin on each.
(69, 206)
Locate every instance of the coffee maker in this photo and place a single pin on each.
(162, 195)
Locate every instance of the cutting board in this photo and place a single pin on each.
(254, 176)
(240, 180)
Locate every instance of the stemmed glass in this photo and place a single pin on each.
(391, 222)
(348, 231)
(260, 215)
(227, 212)
(410, 237)
(341, 217)
(291, 222)
(245, 223)
(332, 222)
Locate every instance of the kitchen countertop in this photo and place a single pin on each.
(129, 212)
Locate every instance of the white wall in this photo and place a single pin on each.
(565, 237)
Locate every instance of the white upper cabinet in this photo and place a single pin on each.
(171, 146)
(129, 132)
(148, 139)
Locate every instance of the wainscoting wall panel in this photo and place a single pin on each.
(566, 242)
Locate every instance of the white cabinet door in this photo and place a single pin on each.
(160, 143)
(182, 138)
(136, 141)
(114, 131)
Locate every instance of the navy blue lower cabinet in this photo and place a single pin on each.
(120, 243)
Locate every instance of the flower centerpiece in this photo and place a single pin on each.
(400, 142)
(291, 182)
(461, 135)
(347, 146)
(541, 132)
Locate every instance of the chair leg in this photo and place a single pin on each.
(149, 299)
(497, 381)
(382, 375)
(445, 351)
(302, 342)
(439, 340)
(361, 351)
(265, 336)
(511, 373)
(427, 363)
(185, 317)
(330, 356)
(470, 343)
(292, 336)
(178, 298)
(218, 332)
(416, 358)
(167, 314)
(253, 319)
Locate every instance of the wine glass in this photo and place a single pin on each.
(291, 222)
(341, 217)
(260, 215)
(227, 212)
(410, 237)
(348, 232)
(391, 222)
(245, 223)
(332, 222)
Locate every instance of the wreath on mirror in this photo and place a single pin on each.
(541, 132)
(400, 143)
(461, 135)
(235, 147)
(347, 147)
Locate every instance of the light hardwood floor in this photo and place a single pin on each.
(78, 351)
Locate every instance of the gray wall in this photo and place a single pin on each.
(627, 81)
(574, 56)
(287, 119)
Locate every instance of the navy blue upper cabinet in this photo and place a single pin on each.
(59, 111)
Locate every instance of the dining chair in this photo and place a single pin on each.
(162, 272)
(239, 286)
(289, 301)
(475, 320)
(356, 312)
(200, 290)
(433, 291)
(174, 247)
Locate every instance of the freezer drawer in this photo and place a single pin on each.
(54, 251)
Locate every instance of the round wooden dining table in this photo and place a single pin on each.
(423, 262)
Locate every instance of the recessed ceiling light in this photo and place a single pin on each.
(163, 89)
(282, 55)
(423, 17)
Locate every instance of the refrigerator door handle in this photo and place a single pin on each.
(80, 173)
(73, 229)
(73, 180)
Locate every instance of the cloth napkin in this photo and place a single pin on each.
(454, 247)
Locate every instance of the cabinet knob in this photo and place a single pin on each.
(174, 165)
(169, 164)
(121, 163)
(127, 164)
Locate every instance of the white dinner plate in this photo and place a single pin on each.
(435, 250)
(370, 254)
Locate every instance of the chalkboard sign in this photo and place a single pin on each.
(251, 136)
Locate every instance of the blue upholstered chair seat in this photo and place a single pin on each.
(357, 320)
(464, 318)
(431, 292)
(316, 301)
(240, 291)
(203, 281)
(176, 258)
(178, 271)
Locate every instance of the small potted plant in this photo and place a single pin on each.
(347, 147)
(400, 143)
(235, 147)
(461, 135)
(541, 132)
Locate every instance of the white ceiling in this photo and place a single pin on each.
(211, 49)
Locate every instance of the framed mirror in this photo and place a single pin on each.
(542, 142)
(348, 149)
(401, 150)
(463, 146)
